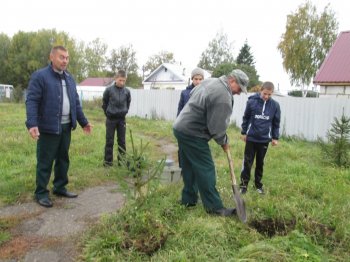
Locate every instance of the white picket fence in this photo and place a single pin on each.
(307, 118)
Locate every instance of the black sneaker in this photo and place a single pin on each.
(243, 190)
(224, 212)
(107, 164)
(187, 204)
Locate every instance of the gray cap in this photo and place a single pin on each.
(242, 79)
(197, 71)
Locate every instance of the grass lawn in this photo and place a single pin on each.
(302, 217)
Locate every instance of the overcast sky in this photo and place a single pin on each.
(183, 27)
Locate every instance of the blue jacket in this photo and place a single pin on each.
(185, 96)
(261, 120)
(44, 101)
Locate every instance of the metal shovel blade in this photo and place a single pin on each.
(240, 205)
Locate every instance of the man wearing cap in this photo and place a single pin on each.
(206, 116)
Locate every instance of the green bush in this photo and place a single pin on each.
(299, 93)
(337, 149)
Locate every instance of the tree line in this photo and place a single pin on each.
(304, 44)
(26, 52)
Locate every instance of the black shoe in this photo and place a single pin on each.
(225, 212)
(65, 194)
(107, 164)
(187, 204)
(45, 202)
(243, 190)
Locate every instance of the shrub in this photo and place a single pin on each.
(338, 147)
(299, 93)
(141, 170)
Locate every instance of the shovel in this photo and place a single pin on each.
(240, 205)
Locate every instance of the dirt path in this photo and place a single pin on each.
(51, 234)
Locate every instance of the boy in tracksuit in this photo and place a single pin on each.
(261, 123)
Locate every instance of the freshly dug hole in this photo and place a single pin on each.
(270, 227)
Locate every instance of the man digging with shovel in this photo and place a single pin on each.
(206, 116)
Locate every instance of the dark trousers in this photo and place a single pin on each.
(198, 172)
(112, 126)
(52, 148)
(258, 151)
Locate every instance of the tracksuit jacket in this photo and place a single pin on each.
(261, 120)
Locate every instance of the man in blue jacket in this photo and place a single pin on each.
(261, 123)
(53, 110)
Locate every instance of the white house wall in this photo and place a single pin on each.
(334, 90)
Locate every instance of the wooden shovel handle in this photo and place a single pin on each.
(232, 172)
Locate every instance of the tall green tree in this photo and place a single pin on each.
(5, 43)
(21, 62)
(134, 80)
(29, 51)
(226, 68)
(77, 63)
(123, 58)
(306, 41)
(156, 60)
(245, 57)
(219, 51)
(95, 58)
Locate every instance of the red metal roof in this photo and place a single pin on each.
(96, 81)
(336, 66)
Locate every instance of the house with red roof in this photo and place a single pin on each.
(93, 87)
(333, 76)
(97, 81)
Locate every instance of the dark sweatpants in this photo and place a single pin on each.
(112, 126)
(52, 148)
(198, 172)
(258, 151)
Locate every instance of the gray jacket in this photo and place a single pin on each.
(208, 111)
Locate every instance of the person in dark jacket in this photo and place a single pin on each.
(197, 75)
(261, 123)
(53, 110)
(115, 104)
